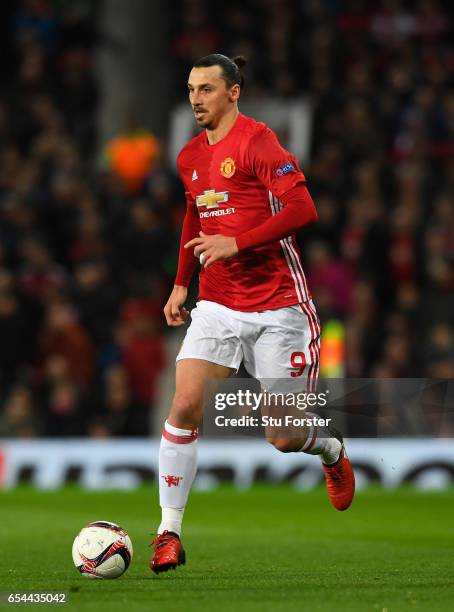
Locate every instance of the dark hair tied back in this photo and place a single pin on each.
(240, 61)
(230, 68)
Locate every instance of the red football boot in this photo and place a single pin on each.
(340, 480)
(168, 552)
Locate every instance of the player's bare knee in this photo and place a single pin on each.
(286, 445)
(185, 411)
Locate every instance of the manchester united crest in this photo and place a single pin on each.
(228, 167)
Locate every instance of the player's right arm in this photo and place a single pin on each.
(174, 310)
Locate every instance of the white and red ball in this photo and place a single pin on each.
(102, 550)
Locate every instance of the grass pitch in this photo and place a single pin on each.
(269, 548)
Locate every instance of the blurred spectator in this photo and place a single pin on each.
(142, 347)
(64, 409)
(18, 418)
(96, 297)
(330, 278)
(37, 20)
(122, 414)
(14, 332)
(64, 335)
(142, 241)
(39, 276)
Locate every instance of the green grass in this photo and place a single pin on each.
(269, 548)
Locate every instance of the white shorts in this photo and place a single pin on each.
(274, 345)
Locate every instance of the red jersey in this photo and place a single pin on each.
(231, 188)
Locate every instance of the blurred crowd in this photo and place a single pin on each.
(86, 264)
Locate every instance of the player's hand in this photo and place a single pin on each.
(214, 248)
(174, 311)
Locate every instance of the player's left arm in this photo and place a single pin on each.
(290, 201)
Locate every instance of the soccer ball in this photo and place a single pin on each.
(102, 550)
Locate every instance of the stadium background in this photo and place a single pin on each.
(93, 107)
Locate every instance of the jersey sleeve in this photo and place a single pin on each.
(278, 170)
(275, 167)
(187, 263)
(298, 210)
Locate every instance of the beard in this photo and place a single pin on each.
(204, 123)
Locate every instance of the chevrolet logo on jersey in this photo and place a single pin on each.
(212, 198)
